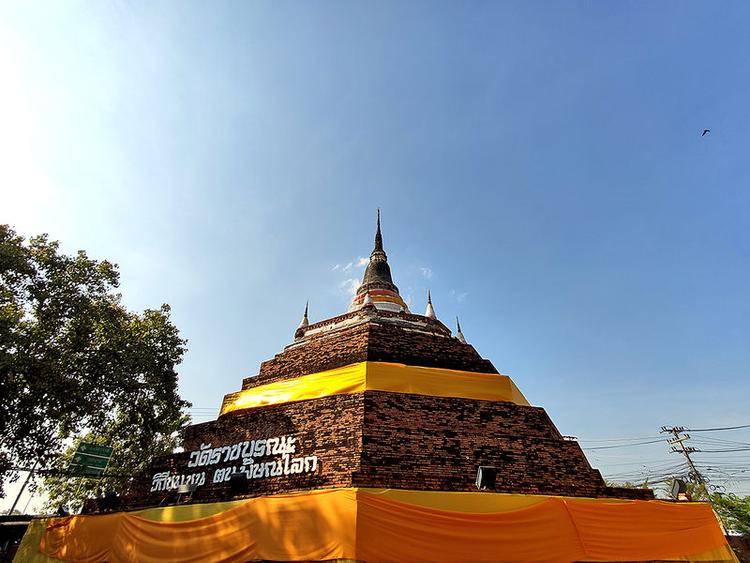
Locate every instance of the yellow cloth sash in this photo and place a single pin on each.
(379, 376)
(389, 525)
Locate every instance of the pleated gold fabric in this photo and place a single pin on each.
(383, 525)
(379, 376)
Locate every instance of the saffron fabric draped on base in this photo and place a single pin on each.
(379, 376)
(383, 525)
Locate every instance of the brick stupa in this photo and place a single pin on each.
(371, 438)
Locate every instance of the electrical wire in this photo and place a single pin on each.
(716, 429)
(623, 445)
(723, 463)
(728, 450)
(617, 439)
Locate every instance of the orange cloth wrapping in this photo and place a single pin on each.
(379, 376)
(372, 525)
(314, 526)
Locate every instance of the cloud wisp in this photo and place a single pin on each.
(348, 286)
(459, 295)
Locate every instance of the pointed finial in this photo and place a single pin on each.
(304, 322)
(459, 334)
(430, 311)
(378, 236)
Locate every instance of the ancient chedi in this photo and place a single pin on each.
(349, 404)
(361, 441)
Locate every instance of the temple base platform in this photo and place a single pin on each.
(359, 524)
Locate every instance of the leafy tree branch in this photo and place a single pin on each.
(74, 362)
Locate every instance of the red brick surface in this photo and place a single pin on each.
(399, 441)
(377, 341)
(391, 440)
(436, 443)
(329, 427)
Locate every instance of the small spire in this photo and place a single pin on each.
(459, 334)
(378, 236)
(304, 322)
(430, 311)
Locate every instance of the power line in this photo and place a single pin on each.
(630, 439)
(617, 439)
(726, 458)
(718, 441)
(721, 451)
(622, 445)
(717, 429)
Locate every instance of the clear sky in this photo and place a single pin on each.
(539, 165)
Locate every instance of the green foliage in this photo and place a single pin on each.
(75, 362)
(695, 491)
(133, 449)
(734, 511)
(627, 484)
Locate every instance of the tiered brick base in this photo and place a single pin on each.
(390, 440)
(399, 441)
(364, 336)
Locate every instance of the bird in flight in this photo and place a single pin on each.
(705, 132)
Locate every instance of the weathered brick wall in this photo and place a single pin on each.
(392, 440)
(329, 428)
(434, 443)
(373, 341)
(390, 343)
(318, 353)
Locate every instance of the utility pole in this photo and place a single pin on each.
(678, 446)
(26, 482)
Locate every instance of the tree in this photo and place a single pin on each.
(627, 484)
(693, 490)
(134, 446)
(734, 511)
(75, 362)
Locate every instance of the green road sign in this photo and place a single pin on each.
(84, 471)
(93, 449)
(90, 459)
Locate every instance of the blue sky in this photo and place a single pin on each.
(539, 166)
